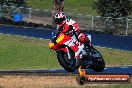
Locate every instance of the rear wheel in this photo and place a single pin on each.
(67, 64)
(98, 63)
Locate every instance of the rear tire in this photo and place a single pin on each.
(99, 65)
(62, 59)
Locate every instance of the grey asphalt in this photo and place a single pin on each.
(107, 70)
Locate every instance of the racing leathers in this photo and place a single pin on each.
(70, 27)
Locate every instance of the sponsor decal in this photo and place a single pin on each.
(102, 78)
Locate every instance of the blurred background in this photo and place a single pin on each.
(87, 13)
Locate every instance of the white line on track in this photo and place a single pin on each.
(25, 36)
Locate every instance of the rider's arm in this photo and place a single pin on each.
(76, 28)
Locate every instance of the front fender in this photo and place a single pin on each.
(66, 50)
(63, 49)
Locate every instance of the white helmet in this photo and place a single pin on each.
(60, 18)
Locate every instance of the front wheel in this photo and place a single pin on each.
(67, 64)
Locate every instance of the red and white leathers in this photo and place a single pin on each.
(68, 26)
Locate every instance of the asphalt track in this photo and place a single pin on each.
(109, 41)
(55, 72)
(102, 40)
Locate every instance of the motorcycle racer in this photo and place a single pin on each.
(70, 27)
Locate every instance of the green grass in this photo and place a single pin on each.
(71, 6)
(25, 53)
(28, 53)
(116, 57)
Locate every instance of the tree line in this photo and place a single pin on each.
(106, 8)
(113, 8)
(17, 3)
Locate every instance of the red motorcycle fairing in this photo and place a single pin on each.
(67, 41)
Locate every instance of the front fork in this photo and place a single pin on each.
(66, 50)
(68, 53)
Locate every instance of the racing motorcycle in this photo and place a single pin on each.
(68, 48)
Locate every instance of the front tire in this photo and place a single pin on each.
(63, 60)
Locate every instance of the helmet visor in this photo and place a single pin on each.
(59, 20)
